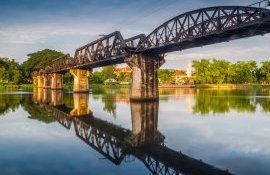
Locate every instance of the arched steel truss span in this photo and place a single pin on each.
(192, 29)
(206, 26)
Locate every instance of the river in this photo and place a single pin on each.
(189, 131)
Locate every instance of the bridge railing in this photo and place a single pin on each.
(261, 4)
(61, 63)
(134, 42)
(109, 46)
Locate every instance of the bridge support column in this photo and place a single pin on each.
(40, 81)
(80, 105)
(80, 80)
(47, 81)
(145, 77)
(56, 81)
(35, 81)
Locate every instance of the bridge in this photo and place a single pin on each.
(144, 142)
(145, 54)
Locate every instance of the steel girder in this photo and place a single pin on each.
(109, 49)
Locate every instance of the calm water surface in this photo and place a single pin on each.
(188, 131)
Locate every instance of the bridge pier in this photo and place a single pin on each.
(80, 80)
(47, 81)
(40, 81)
(80, 101)
(145, 76)
(56, 81)
(35, 81)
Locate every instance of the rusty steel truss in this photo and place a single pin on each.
(192, 29)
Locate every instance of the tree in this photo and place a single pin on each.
(219, 71)
(264, 72)
(165, 76)
(108, 72)
(124, 77)
(202, 71)
(39, 60)
(96, 78)
(10, 71)
(245, 72)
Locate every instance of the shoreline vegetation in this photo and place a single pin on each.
(68, 87)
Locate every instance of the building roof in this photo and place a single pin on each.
(126, 69)
(179, 73)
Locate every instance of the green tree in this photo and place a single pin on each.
(245, 72)
(124, 77)
(108, 72)
(39, 60)
(10, 71)
(202, 71)
(219, 70)
(165, 76)
(96, 78)
(264, 72)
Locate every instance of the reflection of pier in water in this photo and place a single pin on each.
(115, 143)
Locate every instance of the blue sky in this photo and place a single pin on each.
(31, 25)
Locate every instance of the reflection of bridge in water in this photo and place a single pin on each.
(115, 143)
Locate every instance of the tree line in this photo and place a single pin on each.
(206, 71)
(213, 71)
(11, 72)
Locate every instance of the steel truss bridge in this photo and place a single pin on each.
(192, 29)
(111, 141)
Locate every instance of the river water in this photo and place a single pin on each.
(189, 131)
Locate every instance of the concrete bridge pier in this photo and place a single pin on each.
(40, 81)
(47, 81)
(145, 76)
(57, 81)
(80, 101)
(80, 80)
(35, 81)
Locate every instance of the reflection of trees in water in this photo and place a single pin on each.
(9, 102)
(222, 101)
(107, 97)
(110, 96)
(264, 101)
(68, 100)
(109, 101)
(35, 111)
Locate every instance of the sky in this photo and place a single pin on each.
(27, 26)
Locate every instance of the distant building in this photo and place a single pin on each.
(180, 77)
(124, 70)
(110, 81)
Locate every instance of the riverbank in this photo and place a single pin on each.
(115, 86)
(20, 86)
(232, 86)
